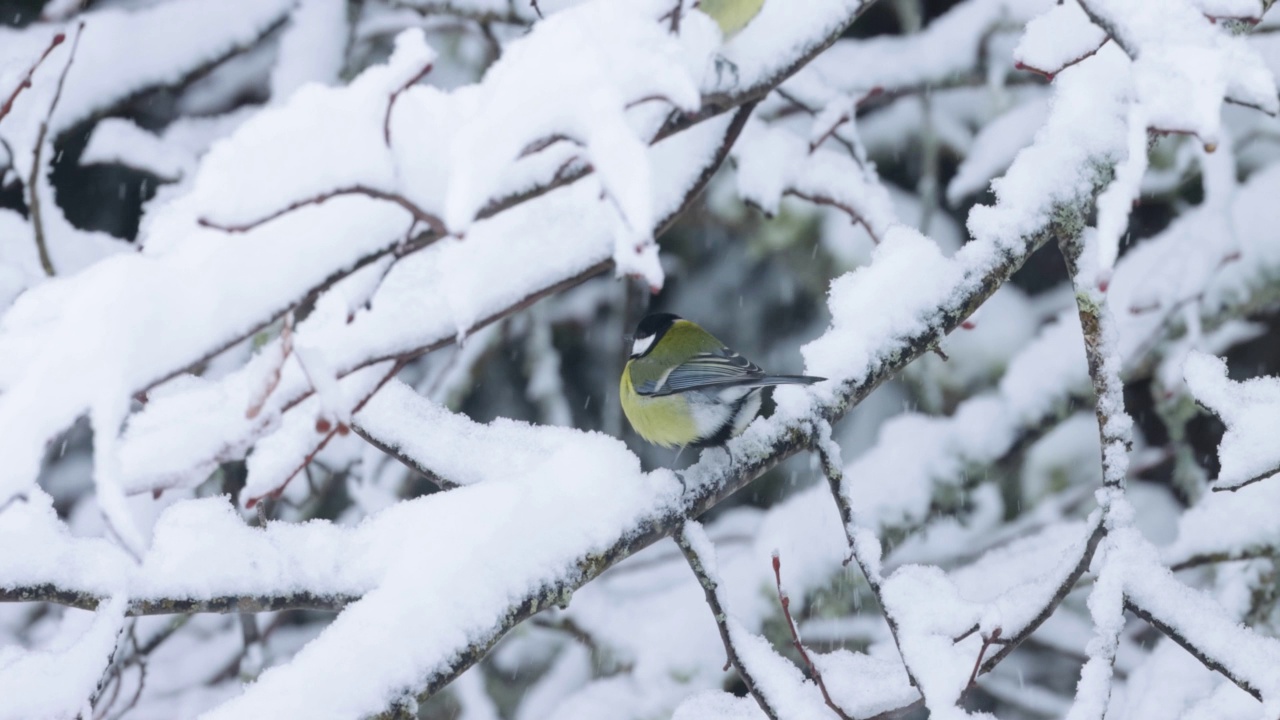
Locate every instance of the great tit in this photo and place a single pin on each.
(731, 15)
(683, 387)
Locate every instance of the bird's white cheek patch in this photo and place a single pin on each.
(642, 345)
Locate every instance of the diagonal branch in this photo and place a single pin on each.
(704, 569)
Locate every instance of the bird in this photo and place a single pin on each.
(731, 15)
(681, 387)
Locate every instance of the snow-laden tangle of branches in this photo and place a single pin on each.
(306, 251)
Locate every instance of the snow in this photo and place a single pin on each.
(1250, 410)
(122, 52)
(775, 161)
(58, 681)
(1177, 49)
(945, 48)
(427, 299)
(1116, 202)
(1085, 130)
(589, 507)
(115, 140)
(526, 509)
(849, 350)
(1058, 39)
(718, 705)
(1199, 619)
(455, 449)
(311, 47)
(615, 56)
(995, 148)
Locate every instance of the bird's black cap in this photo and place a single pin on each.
(655, 324)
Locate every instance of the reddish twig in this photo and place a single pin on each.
(329, 432)
(830, 132)
(429, 219)
(391, 102)
(273, 380)
(37, 164)
(795, 639)
(1051, 74)
(26, 79)
(839, 205)
(541, 144)
(987, 642)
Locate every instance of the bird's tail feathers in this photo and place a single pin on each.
(787, 380)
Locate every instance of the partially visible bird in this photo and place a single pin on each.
(683, 387)
(731, 15)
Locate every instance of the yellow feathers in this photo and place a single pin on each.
(731, 15)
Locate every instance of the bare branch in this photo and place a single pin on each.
(391, 101)
(428, 219)
(87, 600)
(785, 601)
(1173, 634)
(26, 79)
(711, 589)
(842, 207)
(37, 162)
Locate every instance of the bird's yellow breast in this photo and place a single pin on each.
(663, 420)
(731, 15)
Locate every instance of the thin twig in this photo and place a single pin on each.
(1051, 73)
(673, 16)
(1176, 636)
(427, 218)
(987, 642)
(1256, 478)
(137, 693)
(26, 79)
(37, 162)
(273, 377)
(391, 101)
(840, 205)
(785, 600)
(328, 432)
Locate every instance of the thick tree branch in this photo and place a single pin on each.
(86, 600)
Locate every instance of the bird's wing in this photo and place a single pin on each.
(718, 367)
